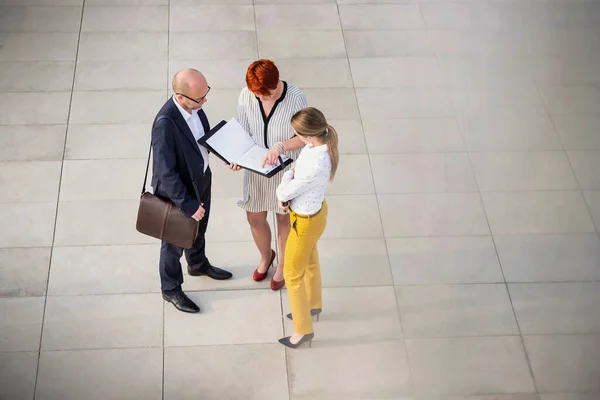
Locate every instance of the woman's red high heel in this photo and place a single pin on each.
(258, 276)
(277, 285)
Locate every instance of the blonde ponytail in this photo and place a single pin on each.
(311, 122)
(331, 138)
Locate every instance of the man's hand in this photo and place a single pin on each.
(199, 214)
(272, 157)
(233, 167)
(284, 206)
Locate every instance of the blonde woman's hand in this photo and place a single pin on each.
(284, 206)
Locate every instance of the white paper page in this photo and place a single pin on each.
(231, 141)
(253, 159)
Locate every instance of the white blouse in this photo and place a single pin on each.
(306, 185)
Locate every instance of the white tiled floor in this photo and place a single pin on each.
(462, 256)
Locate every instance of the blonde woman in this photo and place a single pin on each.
(302, 192)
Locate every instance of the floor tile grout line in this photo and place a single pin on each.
(58, 203)
(397, 305)
(566, 153)
(266, 289)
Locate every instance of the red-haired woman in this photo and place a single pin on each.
(265, 109)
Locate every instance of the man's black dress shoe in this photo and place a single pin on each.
(212, 272)
(181, 302)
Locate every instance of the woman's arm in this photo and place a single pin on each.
(292, 188)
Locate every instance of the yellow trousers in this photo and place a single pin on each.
(302, 270)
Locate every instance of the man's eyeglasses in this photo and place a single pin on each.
(194, 100)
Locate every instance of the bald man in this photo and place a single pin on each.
(182, 175)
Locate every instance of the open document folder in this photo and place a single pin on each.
(232, 144)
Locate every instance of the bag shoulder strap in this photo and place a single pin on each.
(162, 117)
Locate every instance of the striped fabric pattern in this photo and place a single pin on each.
(259, 192)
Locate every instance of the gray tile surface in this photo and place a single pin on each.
(467, 200)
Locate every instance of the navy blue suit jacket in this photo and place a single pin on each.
(177, 164)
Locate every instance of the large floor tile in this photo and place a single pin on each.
(17, 375)
(36, 76)
(28, 224)
(514, 213)
(353, 176)
(314, 73)
(21, 323)
(452, 260)
(335, 103)
(481, 42)
(297, 17)
(353, 216)
(246, 381)
(523, 171)
(40, 19)
(214, 18)
(221, 105)
(457, 310)
(125, 75)
(435, 214)
(592, 198)
(388, 43)
(301, 44)
(483, 70)
(586, 165)
(103, 107)
(573, 42)
(569, 363)
(509, 132)
(572, 100)
(104, 270)
(101, 179)
(469, 366)
(226, 317)
(381, 16)
(100, 374)
(554, 308)
(569, 396)
(337, 370)
(470, 15)
(115, 19)
(225, 214)
(549, 258)
(578, 133)
(388, 136)
(106, 46)
(494, 98)
(222, 74)
(108, 321)
(24, 271)
(29, 181)
(129, 2)
(213, 45)
(401, 71)
(52, 108)
(351, 134)
(42, 2)
(407, 102)
(97, 141)
(110, 222)
(15, 142)
(38, 46)
(354, 262)
(345, 311)
(422, 173)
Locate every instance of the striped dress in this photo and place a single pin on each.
(259, 192)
